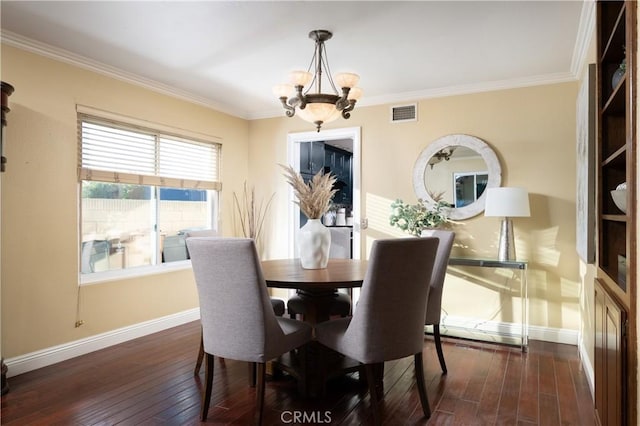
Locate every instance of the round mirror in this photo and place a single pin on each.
(457, 169)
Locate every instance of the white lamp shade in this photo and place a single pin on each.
(355, 93)
(507, 202)
(283, 90)
(300, 78)
(325, 113)
(347, 79)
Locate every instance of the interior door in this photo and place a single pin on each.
(294, 144)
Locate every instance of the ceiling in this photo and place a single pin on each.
(229, 55)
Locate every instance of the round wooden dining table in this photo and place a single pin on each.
(317, 286)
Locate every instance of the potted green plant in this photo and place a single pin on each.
(414, 218)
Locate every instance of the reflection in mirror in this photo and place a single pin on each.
(457, 169)
(469, 187)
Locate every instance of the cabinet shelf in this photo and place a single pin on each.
(618, 158)
(616, 32)
(615, 105)
(615, 217)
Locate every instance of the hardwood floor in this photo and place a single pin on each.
(150, 381)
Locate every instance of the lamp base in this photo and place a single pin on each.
(507, 247)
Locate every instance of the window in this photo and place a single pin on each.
(469, 187)
(141, 191)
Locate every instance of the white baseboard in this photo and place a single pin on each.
(554, 335)
(34, 360)
(588, 368)
(546, 334)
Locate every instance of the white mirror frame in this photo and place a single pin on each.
(471, 142)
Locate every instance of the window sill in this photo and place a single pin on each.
(124, 274)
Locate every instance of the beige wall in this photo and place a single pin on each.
(532, 131)
(40, 205)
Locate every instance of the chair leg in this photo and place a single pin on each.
(436, 337)
(252, 374)
(373, 392)
(261, 373)
(206, 397)
(379, 374)
(422, 390)
(196, 371)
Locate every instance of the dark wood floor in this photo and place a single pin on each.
(150, 381)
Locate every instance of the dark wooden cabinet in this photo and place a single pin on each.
(311, 157)
(338, 162)
(615, 286)
(610, 366)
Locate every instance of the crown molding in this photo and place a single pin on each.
(15, 40)
(586, 28)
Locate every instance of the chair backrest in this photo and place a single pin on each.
(236, 314)
(174, 248)
(92, 252)
(201, 233)
(340, 243)
(434, 304)
(389, 321)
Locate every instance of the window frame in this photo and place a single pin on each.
(104, 118)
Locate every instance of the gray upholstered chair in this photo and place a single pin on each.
(389, 321)
(228, 274)
(434, 305)
(277, 304)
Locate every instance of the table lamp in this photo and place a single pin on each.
(507, 202)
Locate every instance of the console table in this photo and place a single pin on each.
(507, 264)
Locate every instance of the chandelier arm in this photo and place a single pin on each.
(301, 98)
(343, 101)
(346, 112)
(288, 110)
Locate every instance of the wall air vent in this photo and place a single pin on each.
(401, 113)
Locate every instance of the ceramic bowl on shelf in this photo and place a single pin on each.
(620, 198)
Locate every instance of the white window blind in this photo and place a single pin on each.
(116, 152)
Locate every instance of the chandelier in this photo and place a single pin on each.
(443, 154)
(317, 107)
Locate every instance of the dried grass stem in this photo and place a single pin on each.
(315, 197)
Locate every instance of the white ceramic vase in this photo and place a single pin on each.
(314, 241)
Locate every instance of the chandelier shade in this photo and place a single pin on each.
(323, 112)
(304, 92)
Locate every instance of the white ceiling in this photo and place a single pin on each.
(228, 55)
